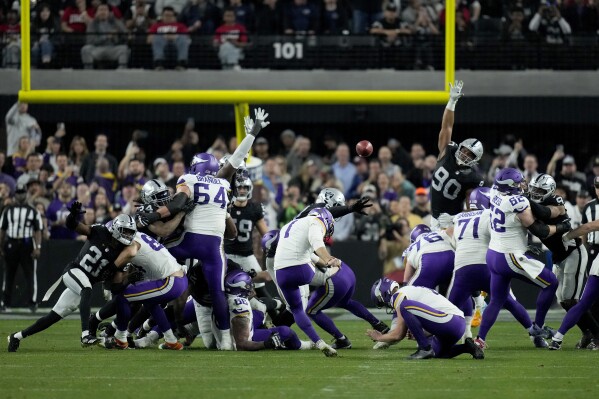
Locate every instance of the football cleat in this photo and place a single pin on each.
(539, 341)
(147, 341)
(106, 328)
(13, 343)
(585, 340)
(381, 345)
(422, 354)
(548, 332)
(326, 349)
(476, 318)
(478, 341)
(594, 345)
(554, 345)
(341, 343)
(89, 340)
(381, 327)
(473, 349)
(113, 343)
(176, 346)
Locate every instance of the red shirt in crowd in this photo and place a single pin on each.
(174, 27)
(231, 32)
(72, 16)
(14, 29)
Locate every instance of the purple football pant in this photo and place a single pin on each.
(152, 294)
(337, 292)
(446, 329)
(469, 279)
(289, 280)
(208, 249)
(435, 269)
(589, 296)
(288, 336)
(501, 276)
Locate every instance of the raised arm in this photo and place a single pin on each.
(72, 221)
(583, 230)
(455, 93)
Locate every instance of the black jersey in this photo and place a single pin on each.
(175, 235)
(450, 183)
(554, 243)
(245, 219)
(198, 287)
(96, 258)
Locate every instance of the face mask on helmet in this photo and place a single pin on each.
(156, 193)
(469, 152)
(381, 293)
(123, 229)
(243, 190)
(541, 187)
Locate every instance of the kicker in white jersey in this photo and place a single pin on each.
(298, 239)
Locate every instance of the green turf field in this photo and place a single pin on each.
(53, 365)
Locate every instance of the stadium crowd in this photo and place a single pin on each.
(107, 30)
(58, 168)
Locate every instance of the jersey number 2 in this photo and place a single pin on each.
(449, 187)
(88, 262)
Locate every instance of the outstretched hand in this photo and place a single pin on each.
(455, 90)
(253, 127)
(75, 208)
(359, 206)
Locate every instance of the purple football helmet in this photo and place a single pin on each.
(509, 181)
(269, 239)
(204, 164)
(325, 216)
(239, 283)
(480, 198)
(381, 292)
(419, 230)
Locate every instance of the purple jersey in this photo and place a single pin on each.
(138, 182)
(57, 210)
(108, 181)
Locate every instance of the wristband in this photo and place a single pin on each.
(451, 104)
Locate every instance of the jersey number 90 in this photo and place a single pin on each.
(449, 187)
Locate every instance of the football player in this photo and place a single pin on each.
(208, 185)
(98, 260)
(338, 291)
(429, 258)
(334, 200)
(246, 215)
(298, 239)
(455, 172)
(436, 324)
(589, 295)
(507, 256)
(570, 262)
(471, 236)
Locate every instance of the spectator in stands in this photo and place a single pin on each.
(292, 204)
(334, 19)
(19, 158)
(401, 186)
(77, 153)
(365, 14)
(105, 38)
(582, 198)
(84, 195)
(64, 172)
(169, 32)
(45, 28)
(570, 178)
(393, 243)
(389, 28)
(417, 153)
(300, 153)
(269, 20)
(76, 17)
(126, 199)
(244, 14)
(6, 178)
(36, 192)
(422, 205)
(344, 170)
(161, 170)
(271, 179)
(230, 38)
(306, 178)
(591, 176)
(200, 16)
(405, 211)
(175, 5)
(421, 20)
(113, 10)
(329, 148)
(422, 174)
(282, 165)
(139, 17)
(386, 194)
(514, 29)
(261, 148)
(372, 226)
(288, 141)
(178, 171)
(135, 173)
(530, 167)
(104, 181)
(32, 169)
(399, 156)
(549, 23)
(385, 157)
(504, 158)
(88, 167)
(57, 213)
(18, 124)
(11, 40)
(581, 16)
(463, 26)
(301, 18)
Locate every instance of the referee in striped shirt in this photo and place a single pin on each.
(590, 213)
(20, 244)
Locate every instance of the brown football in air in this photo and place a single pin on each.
(364, 148)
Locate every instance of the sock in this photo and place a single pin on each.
(558, 337)
(305, 345)
(84, 333)
(146, 326)
(98, 317)
(85, 308)
(479, 302)
(532, 329)
(121, 335)
(169, 336)
(41, 324)
(153, 336)
(19, 336)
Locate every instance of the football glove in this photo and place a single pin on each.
(145, 219)
(189, 206)
(274, 342)
(359, 206)
(252, 127)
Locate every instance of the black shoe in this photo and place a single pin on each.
(107, 329)
(93, 324)
(341, 343)
(13, 343)
(421, 354)
(381, 327)
(131, 342)
(585, 340)
(473, 349)
(89, 340)
(33, 308)
(555, 345)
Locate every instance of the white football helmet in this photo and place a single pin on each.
(123, 229)
(541, 187)
(248, 185)
(330, 197)
(469, 152)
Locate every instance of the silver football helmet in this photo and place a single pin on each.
(123, 229)
(469, 152)
(155, 192)
(248, 185)
(541, 187)
(330, 197)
